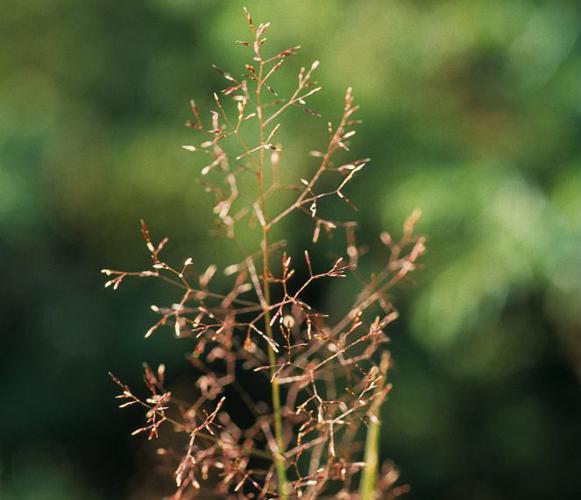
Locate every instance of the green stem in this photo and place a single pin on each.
(278, 429)
(371, 457)
(367, 487)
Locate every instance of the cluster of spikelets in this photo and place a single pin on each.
(318, 435)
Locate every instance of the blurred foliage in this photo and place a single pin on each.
(471, 112)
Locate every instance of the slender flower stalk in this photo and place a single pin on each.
(278, 432)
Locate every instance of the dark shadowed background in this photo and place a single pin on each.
(471, 112)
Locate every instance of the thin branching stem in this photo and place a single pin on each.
(276, 404)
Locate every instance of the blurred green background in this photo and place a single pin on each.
(471, 112)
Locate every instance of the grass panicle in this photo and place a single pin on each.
(318, 436)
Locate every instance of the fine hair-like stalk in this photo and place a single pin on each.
(278, 431)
